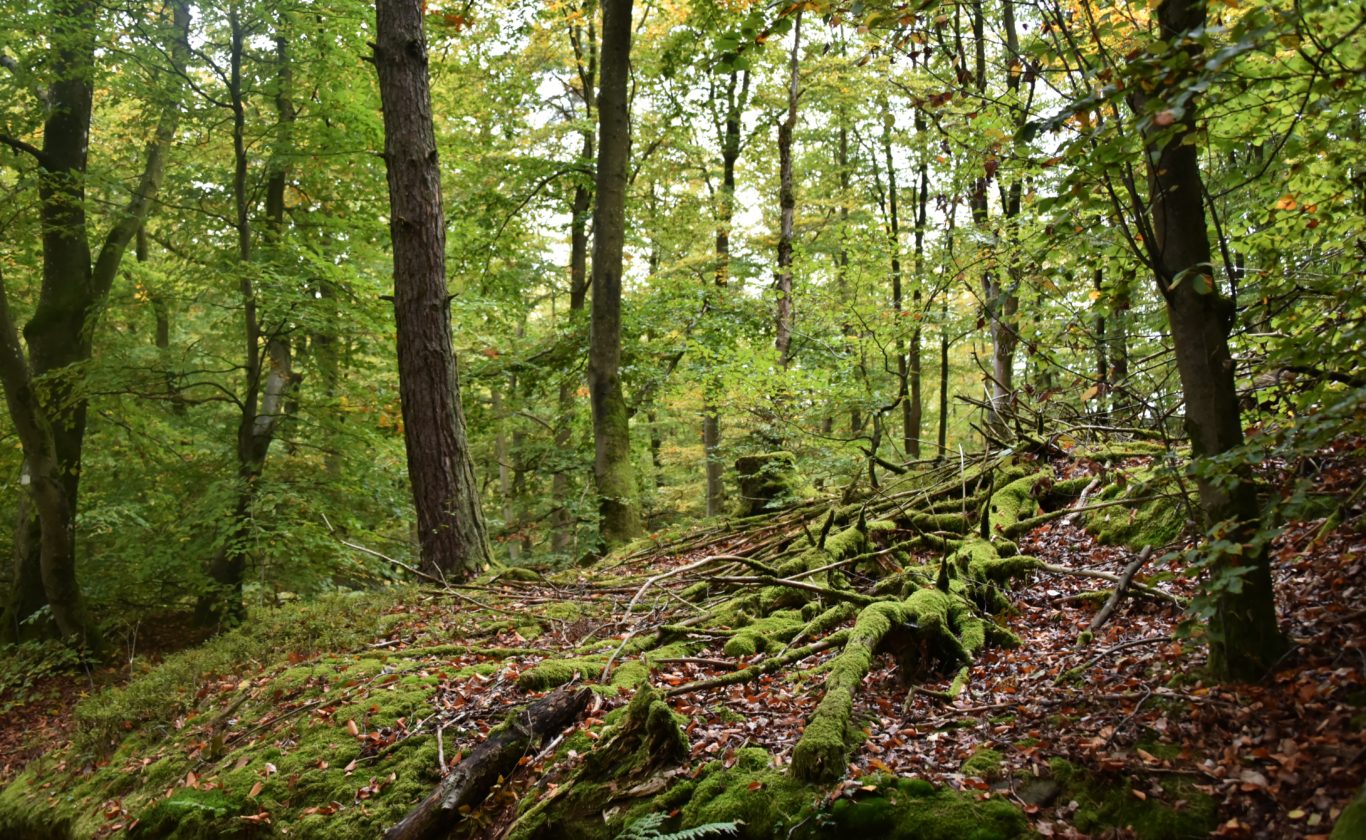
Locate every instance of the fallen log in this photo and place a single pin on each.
(471, 780)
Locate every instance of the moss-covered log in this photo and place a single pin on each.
(930, 623)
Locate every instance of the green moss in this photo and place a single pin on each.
(603, 795)
(765, 635)
(911, 809)
(191, 814)
(1351, 823)
(1155, 522)
(767, 801)
(551, 673)
(930, 629)
(984, 764)
(1013, 502)
(767, 480)
(227, 740)
(1183, 811)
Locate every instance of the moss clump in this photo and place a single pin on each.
(1154, 522)
(765, 635)
(911, 809)
(552, 673)
(1107, 804)
(766, 800)
(191, 814)
(1013, 502)
(1351, 823)
(984, 764)
(767, 480)
(646, 740)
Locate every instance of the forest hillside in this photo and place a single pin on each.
(682, 419)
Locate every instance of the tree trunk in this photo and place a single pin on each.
(269, 377)
(787, 205)
(450, 522)
(942, 436)
(1102, 348)
(615, 476)
(1245, 642)
(586, 54)
(903, 377)
(60, 333)
(725, 217)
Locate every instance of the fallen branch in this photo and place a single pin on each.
(472, 779)
(1150, 591)
(767, 666)
(1125, 578)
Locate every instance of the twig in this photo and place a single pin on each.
(1175, 600)
(1125, 578)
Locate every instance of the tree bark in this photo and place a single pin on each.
(903, 377)
(585, 42)
(730, 154)
(269, 377)
(471, 780)
(451, 530)
(1245, 641)
(60, 334)
(787, 205)
(619, 518)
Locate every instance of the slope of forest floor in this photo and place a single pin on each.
(334, 718)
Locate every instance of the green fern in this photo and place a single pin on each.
(647, 828)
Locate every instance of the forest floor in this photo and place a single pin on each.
(1116, 738)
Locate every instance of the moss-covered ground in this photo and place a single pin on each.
(892, 667)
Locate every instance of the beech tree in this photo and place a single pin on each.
(51, 418)
(612, 468)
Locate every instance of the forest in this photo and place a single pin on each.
(661, 419)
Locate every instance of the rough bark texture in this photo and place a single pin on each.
(787, 205)
(472, 779)
(612, 468)
(1245, 640)
(450, 522)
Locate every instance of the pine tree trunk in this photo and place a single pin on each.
(615, 476)
(450, 522)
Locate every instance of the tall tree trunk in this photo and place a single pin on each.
(787, 204)
(584, 39)
(504, 467)
(451, 530)
(1102, 347)
(916, 411)
(60, 333)
(943, 432)
(1245, 641)
(269, 377)
(842, 256)
(903, 379)
(619, 518)
(730, 154)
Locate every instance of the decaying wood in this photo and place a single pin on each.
(471, 780)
